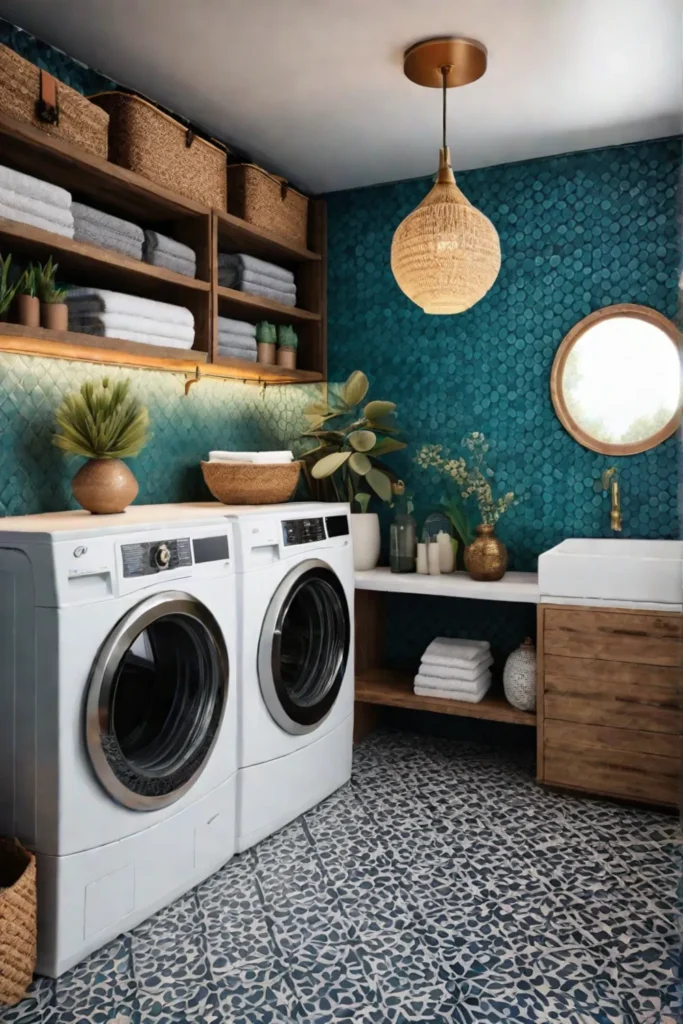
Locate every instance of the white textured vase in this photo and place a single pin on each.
(519, 677)
(366, 540)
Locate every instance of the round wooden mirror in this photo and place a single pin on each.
(616, 380)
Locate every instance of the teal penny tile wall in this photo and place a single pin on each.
(577, 232)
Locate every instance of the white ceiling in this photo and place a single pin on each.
(315, 89)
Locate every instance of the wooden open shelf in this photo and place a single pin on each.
(237, 235)
(254, 308)
(395, 689)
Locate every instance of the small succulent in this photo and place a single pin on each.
(46, 285)
(287, 337)
(102, 421)
(28, 282)
(7, 290)
(266, 333)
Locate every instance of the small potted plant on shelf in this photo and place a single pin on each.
(7, 290)
(345, 465)
(266, 337)
(54, 313)
(287, 343)
(27, 301)
(103, 423)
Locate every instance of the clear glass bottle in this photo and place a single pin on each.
(402, 532)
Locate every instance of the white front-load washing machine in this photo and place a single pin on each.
(296, 683)
(118, 717)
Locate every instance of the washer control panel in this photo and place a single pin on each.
(152, 557)
(303, 531)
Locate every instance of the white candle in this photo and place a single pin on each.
(422, 565)
(446, 558)
(433, 557)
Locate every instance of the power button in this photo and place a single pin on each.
(80, 551)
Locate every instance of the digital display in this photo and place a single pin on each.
(211, 549)
(337, 526)
(302, 531)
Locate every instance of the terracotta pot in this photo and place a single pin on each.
(266, 353)
(55, 316)
(366, 540)
(486, 558)
(287, 357)
(104, 486)
(28, 310)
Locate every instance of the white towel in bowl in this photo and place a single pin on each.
(448, 673)
(260, 458)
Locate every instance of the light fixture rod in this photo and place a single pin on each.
(445, 71)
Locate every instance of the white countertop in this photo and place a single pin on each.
(519, 587)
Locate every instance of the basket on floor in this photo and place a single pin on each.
(268, 202)
(29, 94)
(249, 483)
(17, 920)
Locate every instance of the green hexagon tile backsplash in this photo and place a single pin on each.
(577, 232)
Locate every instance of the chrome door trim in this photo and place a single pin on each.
(269, 644)
(102, 678)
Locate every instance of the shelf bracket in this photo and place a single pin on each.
(189, 381)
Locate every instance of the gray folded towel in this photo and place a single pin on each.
(284, 298)
(242, 261)
(252, 277)
(36, 188)
(94, 235)
(106, 222)
(163, 259)
(101, 300)
(225, 323)
(36, 207)
(236, 353)
(156, 242)
(237, 341)
(24, 217)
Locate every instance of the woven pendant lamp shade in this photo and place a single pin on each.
(445, 255)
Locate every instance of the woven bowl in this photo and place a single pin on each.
(245, 483)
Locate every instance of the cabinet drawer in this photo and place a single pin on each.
(578, 739)
(606, 622)
(610, 772)
(636, 650)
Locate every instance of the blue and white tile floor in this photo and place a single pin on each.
(440, 886)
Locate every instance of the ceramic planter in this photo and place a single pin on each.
(287, 357)
(486, 558)
(104, 486)
(266, 353)
(366, 540)
(55, 316)
(28, 310)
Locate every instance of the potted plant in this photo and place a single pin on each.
(287, 342)
(7, 290)
(266, 337)
(28, 303)
(54, 313)
(486, 557)
(104, 424)
(345, 465)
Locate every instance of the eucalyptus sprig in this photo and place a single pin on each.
(102, 421)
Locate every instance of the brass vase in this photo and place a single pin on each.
(486, 558)
(104, 486)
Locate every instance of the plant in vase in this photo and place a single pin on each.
(345, 464)
(287, 343)
(486, 557)
(27, 302)
(54, 313)
(104, 424)
(7, 290)
(266, 338)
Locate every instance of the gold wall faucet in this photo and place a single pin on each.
(610, 482)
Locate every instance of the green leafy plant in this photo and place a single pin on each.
(266, 333)
(7, 290)
(287, 337)
(102, 421)
(350, 441)
(46, 284)
(28, 282)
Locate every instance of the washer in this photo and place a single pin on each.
(118, 713)
(296, 684)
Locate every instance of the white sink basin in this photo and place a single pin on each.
(617, 572)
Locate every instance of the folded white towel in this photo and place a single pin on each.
(103, 220)
(242, 261)
(27, 185)
(84, 231)
(237, 353)
(24, 217)
(445, 673)
(48, 211)
(236, 326)
(139, 336)
(261, 458)
(100, 300)
(178, 266)
(471, 697)
(459, 685)
(445, 646)
(138, 324)
(156, 242)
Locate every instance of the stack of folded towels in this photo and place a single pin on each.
(98, 228)
(115, 315)
(162, 251)
(236, 339)
(455, 669)
(32, 201)
(256, 277)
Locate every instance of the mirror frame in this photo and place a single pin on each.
(570, 425)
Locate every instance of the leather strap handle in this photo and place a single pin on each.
(284, 185)
(47, 107)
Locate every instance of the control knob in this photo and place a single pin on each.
(162, 556)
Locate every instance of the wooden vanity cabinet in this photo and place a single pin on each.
(608, 701)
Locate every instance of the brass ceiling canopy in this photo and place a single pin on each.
(465, 60)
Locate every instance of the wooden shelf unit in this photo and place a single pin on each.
(123, 193)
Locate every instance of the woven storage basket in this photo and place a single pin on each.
(146, 140)
(244, 483)
(31, 95)
(268, 202)
(17, 920)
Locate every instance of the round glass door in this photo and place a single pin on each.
(304, 647)
(156, 698)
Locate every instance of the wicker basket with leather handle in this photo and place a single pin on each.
(248, 483)
(29, 94)
(152, 143)
(268, 202)
(17, 920)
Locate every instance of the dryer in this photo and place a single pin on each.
(296, 683)
(118, 716)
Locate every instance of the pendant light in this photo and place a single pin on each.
(446, 254)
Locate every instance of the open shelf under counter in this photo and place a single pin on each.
(237, 235)
(519, 587)
(243, 306)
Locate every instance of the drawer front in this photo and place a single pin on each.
(624, 623)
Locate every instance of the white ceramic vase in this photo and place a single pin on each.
(519, 677)
(366, 540)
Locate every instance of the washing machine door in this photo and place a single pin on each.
(304, 647)
(156, 698)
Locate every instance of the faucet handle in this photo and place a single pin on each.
(607, 476)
